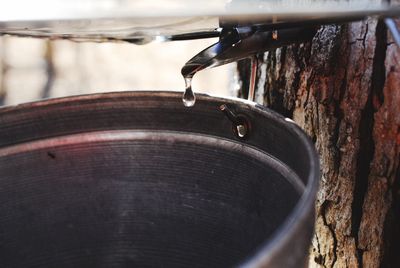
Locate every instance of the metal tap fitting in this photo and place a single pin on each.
(242, 42)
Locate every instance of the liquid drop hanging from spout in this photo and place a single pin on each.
(188, 97)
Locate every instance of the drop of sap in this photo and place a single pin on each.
(188, 97)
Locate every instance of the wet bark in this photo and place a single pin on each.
(343, 89)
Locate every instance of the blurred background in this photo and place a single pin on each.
(33, 68)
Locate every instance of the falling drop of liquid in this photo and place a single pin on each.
(188, 97)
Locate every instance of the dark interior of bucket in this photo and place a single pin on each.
(158, 201)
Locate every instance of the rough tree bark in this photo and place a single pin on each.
(343, 89)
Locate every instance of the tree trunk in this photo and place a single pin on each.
(343, 89)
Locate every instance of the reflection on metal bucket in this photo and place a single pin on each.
(136, 179)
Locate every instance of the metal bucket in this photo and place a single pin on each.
(138, 180)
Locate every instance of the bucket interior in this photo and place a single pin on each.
(139, 197)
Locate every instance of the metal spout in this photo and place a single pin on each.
(243, 42)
